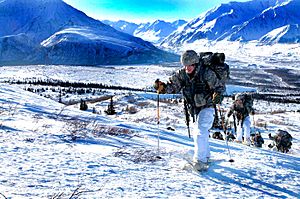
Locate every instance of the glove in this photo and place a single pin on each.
(159, 86)
(217, 98)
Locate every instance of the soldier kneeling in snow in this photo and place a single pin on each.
(282, 141)
(258, 140)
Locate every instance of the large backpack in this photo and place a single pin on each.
(247, 98)
(216, 62)
(283, 141)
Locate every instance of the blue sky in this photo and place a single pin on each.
(145, 10)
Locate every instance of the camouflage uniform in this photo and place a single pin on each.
(198, 90)
(258, 140)
(283, 140)
(243, 120)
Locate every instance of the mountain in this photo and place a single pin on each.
(53, 32)
(285, 34)
(282, 14)
(157, 31)
(153, 32)
(238, 21)
(123, 26)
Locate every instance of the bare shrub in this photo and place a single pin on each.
(131, 109)
(278, 122)
(139, 155)
(76, 128)
(99, 130)
(79, 191)
(8, 109)
(277, 112)
(142, 104)
(260, 123)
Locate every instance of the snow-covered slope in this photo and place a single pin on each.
(285, 34)
(43, 20)
(91, 46)
(238, 21)
(48, 149)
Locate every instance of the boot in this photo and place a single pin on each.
(247, 142)
(200, 166)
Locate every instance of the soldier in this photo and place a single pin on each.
(258, 140)
(242, 108)
(201, 89)
(283, 141)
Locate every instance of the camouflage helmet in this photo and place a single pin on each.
(189, 57)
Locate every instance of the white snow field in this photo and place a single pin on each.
(51, 150)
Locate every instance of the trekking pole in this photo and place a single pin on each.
(158, 121)
(187, 118)
(234, 122)
(254, 123)
(224, 128)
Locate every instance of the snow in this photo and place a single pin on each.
(150, 35)
(285, 34)
(250, 53)
(54, 150)
(48, 148)
(121, 25)
(158, 30)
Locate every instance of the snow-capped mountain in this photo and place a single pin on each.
(153, 32)
(157, 31)
(53, 32)
(39, 19)
(239, 21)
(123, 26)
(285, 34)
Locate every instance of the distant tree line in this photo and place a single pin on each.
(68, 90)
(83, 88)
(279, 98)
(55, 83)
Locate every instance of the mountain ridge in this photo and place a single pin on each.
(153, 32)
(237, 21)
(40, 20)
